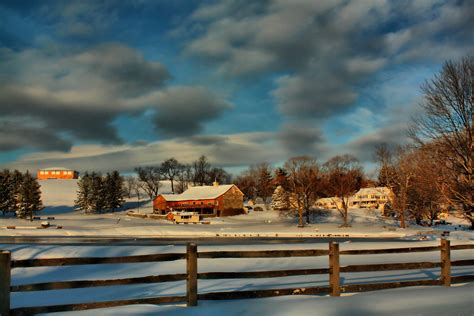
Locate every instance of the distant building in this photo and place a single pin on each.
(57, 173)
(375, 198)
(329, 203)
(215, 200)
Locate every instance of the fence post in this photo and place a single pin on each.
(5, 282)
(334, 282)
(445, 262)
(191, 265)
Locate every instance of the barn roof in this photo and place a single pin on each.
(199, 193)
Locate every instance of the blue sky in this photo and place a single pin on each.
(119, 84)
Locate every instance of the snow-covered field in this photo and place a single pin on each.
(58, 197)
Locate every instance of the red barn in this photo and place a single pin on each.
(215, 200)
(57, 173)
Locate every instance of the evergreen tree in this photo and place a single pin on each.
(29, 197)
(281, 178)
(280, 199)
(114, 191)
(98, 200)
(7, 197)
(84, 194)
(15, 182)
(264, 185)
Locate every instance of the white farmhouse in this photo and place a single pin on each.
(375, 198)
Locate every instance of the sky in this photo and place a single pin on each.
(104, 85)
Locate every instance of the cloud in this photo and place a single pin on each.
(127, 72)
(14, 135)
(363, 147)
(300, 139)
(228, 151)
(79, 94)
(324, 51)
(80, 19)
(183, 110)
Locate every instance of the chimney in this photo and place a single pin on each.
(215, 184)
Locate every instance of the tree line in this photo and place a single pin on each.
(19, 194)
(97, 193)
(301, 181)
(199, 172)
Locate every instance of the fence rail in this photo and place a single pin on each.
(192, 275)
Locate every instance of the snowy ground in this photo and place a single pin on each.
(409, 301)
(59, 195)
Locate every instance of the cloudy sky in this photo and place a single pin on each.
(103, 85)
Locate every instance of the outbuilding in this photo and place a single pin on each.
(57, 173)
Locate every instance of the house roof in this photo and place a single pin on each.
(374, 190)
(56, 168)
(199, 193)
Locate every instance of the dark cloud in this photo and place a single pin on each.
(80, 93)
(183, 110)
(364, 146)
(127, 72)
(300, 138)
(17, 136)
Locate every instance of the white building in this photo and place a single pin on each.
(375, 198)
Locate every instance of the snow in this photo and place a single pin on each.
(414, 301)
(374, 190)
(199, 193)
(58, 196)
(57, 168)
(434, 300)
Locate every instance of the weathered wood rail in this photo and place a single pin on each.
(192, 275)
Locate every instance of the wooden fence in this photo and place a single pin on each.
(192, 275)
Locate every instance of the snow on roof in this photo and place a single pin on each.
(56, 168)
(374, 190)
(199, 193)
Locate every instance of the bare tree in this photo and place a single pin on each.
(149, 180)
(201, 169)
(425, 197)
(246, 182)
(403, 181)
(447, 121)
(170, 169)
(129, 185)
(219, 175)
(344, 178)
(303, 177)
(185, 177)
